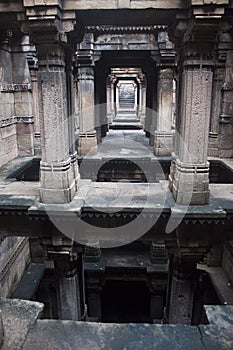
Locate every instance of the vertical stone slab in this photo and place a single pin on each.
(191, 176)
(181, 292)
(163, 135)
(57, 181)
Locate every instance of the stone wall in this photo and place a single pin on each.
(14, 258)
(16, 119)
(227, 261)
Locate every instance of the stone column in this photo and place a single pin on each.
(181, 294)
(117, 98)
(139, 107)
(56, 175)
(143, 100)
(157, 289)
(108, 99)
(163, 135)
(190, 184)
(226, 119)
(33, 66)
(71, 118)
(68, 288)
(218, 80)
(113, 105)
(22, 97)
(94, 289)
(151, 115)
(87, 142)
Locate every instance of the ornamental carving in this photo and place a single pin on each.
(15, 87)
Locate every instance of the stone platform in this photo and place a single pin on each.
(24, 331)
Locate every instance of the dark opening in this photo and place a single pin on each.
(124, 169)
(28, 172)
(120, 170)
(125, 301)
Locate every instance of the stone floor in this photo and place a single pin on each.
(123, 143)
(24, 331)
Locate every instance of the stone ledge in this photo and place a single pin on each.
(18, 316)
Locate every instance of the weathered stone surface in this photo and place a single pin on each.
(219, 334)
(1, 330)
(70, 335)
(190, 182)
(24, 331)
(15, 255)
(18, 316)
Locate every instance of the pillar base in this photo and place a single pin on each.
(190, 183)
(87, 144)
(57, 182)
(163, 143)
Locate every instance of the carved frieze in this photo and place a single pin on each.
(16, 119)
(15, 87)
(101, 29)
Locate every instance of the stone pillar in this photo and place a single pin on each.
(108, 99)
(139, 107)
(117, 98)
(163, 135)
(218, 79)
(33, 67)
(87, 142)
(143, 101)
(68, 288)
(94, 289)
(158, 252)
(92, 252)
(56, 175)
(22, 97)
(190, 184)
(151, 115)
(71, 118)
(181, 295)
(157, 290)
(226, 119)
(113, 104)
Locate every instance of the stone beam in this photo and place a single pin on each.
(119, 4)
